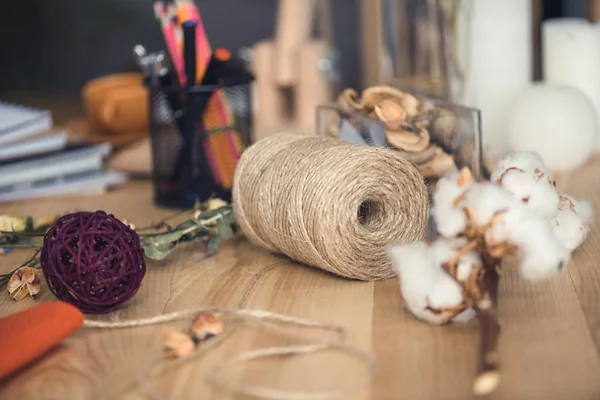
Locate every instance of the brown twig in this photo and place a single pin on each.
(488, 376)
(480, 291)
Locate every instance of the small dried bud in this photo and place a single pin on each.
(213, 204)
(465, 177)
(44, 222)
(13, 224)
(178, 344)
(208, 205)
(129, 224)
(24, 282)
(206, 326)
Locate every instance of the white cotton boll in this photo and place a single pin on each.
(536, 190)
(423, 282)
(572, 222)
(541, 254)
(443, 249)
(416, 271)
(557, 121)
(450, 220)
(569, 229)
(486, 200)
(585, 211)
(445, 293)
(507, 222)
(524, 160)
(466, 263)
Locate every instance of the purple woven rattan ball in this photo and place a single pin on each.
(93, 261)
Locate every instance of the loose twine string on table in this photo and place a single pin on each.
(325, 203)
(329, 203)
(274, 322)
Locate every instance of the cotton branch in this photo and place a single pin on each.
(517, 216)
(488, 376)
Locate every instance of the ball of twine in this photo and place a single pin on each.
(329, 203)
(93, 261)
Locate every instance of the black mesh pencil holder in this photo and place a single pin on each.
(198, 134)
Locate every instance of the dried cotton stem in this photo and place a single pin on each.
(519, 215)
(488, 376)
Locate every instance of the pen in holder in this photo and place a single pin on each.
(188, 163)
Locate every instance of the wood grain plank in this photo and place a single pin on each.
(585, 269)
(419, 361)
(102, 363)
(548, 347)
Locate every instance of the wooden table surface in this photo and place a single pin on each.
(549, 344)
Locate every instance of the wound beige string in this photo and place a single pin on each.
(328, 203)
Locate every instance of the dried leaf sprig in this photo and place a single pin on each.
(518, 216)
(210, 222)
(16, 231)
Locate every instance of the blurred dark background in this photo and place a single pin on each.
(56, 46)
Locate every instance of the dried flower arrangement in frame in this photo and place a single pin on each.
(433, 135)
(517, 218)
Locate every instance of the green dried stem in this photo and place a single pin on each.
(207, 225)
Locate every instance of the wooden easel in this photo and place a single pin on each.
(289, 83)
(594, 10)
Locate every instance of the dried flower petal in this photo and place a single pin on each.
(411, 105)
(206, 326)
(177, 344)
(20, 293)
(390, 110)
(349, 101)
(25, 281)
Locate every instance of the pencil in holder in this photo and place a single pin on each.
(198, 134)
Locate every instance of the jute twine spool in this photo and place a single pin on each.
(329, 203)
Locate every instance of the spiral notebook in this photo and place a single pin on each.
(18, 122)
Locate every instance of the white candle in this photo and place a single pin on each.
(495, 50)
(571, 56)
(557, 121)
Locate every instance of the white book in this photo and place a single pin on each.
(27, 148)
(18, 121)
(90, 183)
(67, 162)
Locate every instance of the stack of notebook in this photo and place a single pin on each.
(35, 163)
